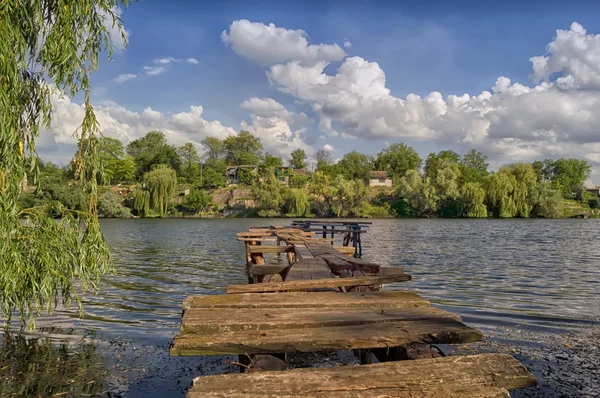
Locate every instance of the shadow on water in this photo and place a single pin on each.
(41, 367)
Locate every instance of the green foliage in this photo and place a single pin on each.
(472, 200)
(355, 166)
(474, 166)
(298, 181)
(242, 149)
(437, 160)
(347, 197)
(268, 195)
(141, 203)
(398, 159)
(48, 46)
(190, 162)
(269, 165)
(546, 202)
(160, 182)
(212, 178)
(152, 150)
(214, 150)
(198, 201)
(296, 202)
(298, 159)
(594, 203)
(323, 158)
(247, 177)
(565, 175)
(419, 193)
(110, 206)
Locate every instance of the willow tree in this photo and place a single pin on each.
(48, 46)
(471, 200)
(160, 182)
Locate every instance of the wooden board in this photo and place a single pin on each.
(317, 284)
(484, 375)
(381, 300)
(314, 339)
(225, 320)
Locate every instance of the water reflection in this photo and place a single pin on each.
(39, 367)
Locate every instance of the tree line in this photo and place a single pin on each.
(445, 184)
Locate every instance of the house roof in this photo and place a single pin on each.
(299, 172)
(379, 174)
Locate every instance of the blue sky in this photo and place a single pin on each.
(420, 47)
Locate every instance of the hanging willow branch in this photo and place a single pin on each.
(46, 46)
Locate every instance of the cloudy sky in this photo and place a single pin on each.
(517, 81)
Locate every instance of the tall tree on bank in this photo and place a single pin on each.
(398, 159)
(214, 150)
(152, 149)
(160, 182)
(298, 159)
(42, 42)
(242, 149)
(190, 162)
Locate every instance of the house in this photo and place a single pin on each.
(232, 173)
(594, 191)
(379, 179)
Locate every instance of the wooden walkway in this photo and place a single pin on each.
(323, 299)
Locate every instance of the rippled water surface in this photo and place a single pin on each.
(544, 274)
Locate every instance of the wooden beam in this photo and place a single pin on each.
(268, 269)
(380, 300)
(317, 284)
(271, 249)
(483, 375)
(385, 335)
(226, 320)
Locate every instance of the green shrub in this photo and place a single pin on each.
(110, 206)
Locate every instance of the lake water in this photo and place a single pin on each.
(542, 276)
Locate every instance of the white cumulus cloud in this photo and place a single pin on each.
(269, 44)
(153, 70)
(124, 77)
(510, 122)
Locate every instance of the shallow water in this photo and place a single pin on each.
(542, 275)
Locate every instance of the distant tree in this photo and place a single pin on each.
(398, 159)
(298, 181)
(546, 202)
(474, 166)
(323, 158)
(198, 201)
(298, 159)
(110, 206)
(160, 182)
(268, 194)
(296, 202)
(141, 203)
(242, 149)
(436, 160)
(347, 197)
(472, 200)
(566, 175)
(269, 164)
(151, 150)
(419, 192)
(190, 162)
(214, 149)
(355, 166)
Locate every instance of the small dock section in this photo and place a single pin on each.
(317, 297)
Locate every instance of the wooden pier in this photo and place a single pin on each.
(323, 298)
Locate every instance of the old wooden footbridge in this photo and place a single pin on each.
(324, 298)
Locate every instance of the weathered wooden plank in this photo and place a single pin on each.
(317, 283)
(445, 377)
(385, 335)
(225, 320)
(257, 239)
(442, 392)
(380, 300)
(272, 249)
(268, 269)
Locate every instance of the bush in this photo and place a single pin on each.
(109, 206)
(198, 201)
(594, 203)
(298, 181)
